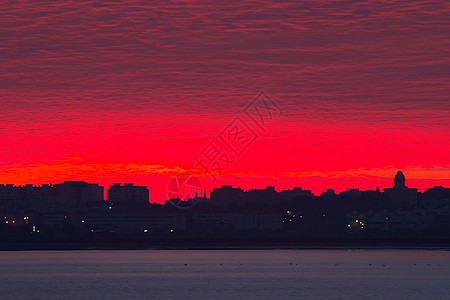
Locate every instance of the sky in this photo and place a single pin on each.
(312, 94)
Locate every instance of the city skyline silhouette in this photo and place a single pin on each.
(78, 212)
(184, 190)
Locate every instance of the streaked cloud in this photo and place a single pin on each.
(363, 85)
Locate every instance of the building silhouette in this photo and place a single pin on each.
(128, 196)
(296, 192)
(400, 194)
(227, 195)
(262, 196)
(71, 196)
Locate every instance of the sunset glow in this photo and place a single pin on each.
(134, 91)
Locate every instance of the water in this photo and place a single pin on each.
(225, 274)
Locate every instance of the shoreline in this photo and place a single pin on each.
(222, 245)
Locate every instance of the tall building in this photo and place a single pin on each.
(77, 195)
(266, 196)
(227, 195)
(70, 196)
(400, 194)
(296, 192)
(329, 193)
(128, 196)
(351, 193)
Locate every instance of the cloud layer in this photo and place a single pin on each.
(363, 85)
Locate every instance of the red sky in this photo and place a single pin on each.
(131, 91)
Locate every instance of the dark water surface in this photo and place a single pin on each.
(225, 274)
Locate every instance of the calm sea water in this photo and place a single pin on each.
(225, 274)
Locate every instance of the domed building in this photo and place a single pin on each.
(399, 180)
(400, 194)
